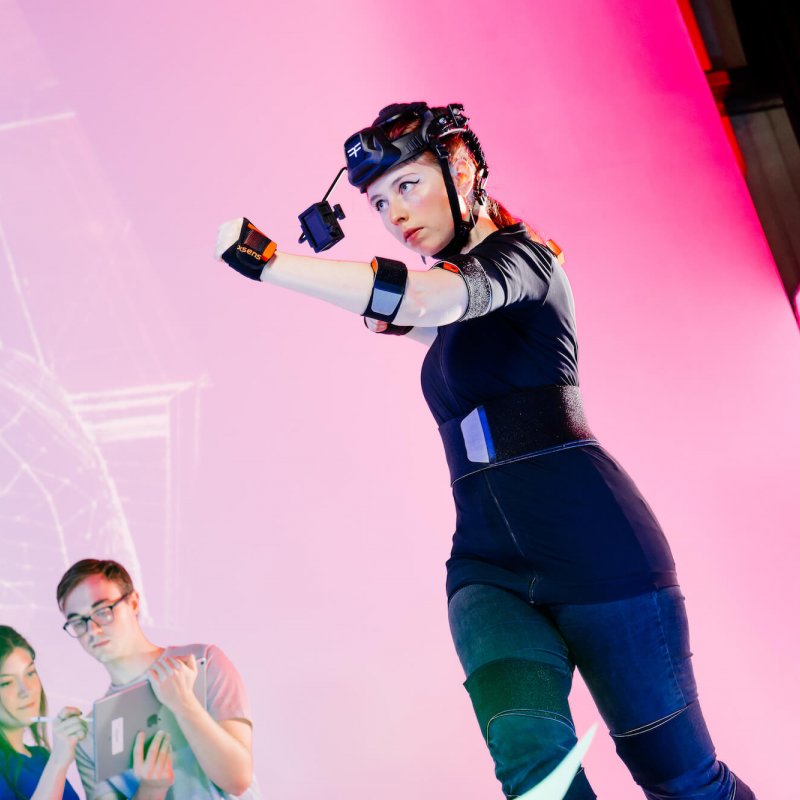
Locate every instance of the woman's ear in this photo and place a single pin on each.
(463, 172)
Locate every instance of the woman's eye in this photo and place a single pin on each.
(4, 684)
(379, 205)
(407, 184)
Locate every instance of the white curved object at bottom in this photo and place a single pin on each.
(557, 783)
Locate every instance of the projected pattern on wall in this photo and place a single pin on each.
(97, 438)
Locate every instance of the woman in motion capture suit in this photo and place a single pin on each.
(557, 560)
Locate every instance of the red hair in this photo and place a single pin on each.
(457, 149)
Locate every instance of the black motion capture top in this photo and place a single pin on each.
(370, 153)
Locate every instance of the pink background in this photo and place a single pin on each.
(229, 441)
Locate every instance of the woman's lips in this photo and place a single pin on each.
(410, 234)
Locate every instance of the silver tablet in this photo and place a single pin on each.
(118, 717)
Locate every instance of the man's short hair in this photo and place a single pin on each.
(81, 570)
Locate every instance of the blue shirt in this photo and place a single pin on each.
(25, 773)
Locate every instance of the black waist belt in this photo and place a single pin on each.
(513, 427)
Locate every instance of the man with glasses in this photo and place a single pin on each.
(202, 752)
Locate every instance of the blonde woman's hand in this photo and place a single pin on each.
(68, 730)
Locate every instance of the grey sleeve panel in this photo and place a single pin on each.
(479, 289)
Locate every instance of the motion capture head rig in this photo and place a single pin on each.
(370, 153)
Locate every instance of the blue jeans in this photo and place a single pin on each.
(634, 656)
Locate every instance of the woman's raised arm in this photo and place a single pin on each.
(432, 298)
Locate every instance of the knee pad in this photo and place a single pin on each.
(525, 719)
(516, 684)
(675, 755)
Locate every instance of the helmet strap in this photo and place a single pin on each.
(461, 227)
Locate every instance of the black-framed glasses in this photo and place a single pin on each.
(77, 626)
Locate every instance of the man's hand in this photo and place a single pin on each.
(154, 770)
(172, 681)
(68, 730)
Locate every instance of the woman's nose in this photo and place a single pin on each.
(397, 211)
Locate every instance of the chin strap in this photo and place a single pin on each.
(461, 226)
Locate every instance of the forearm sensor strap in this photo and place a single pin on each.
(251, 251)
(388, 289)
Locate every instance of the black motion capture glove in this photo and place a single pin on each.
(251, 252)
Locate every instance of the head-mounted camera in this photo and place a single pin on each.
(320, 223)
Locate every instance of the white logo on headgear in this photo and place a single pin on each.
(352, 152)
